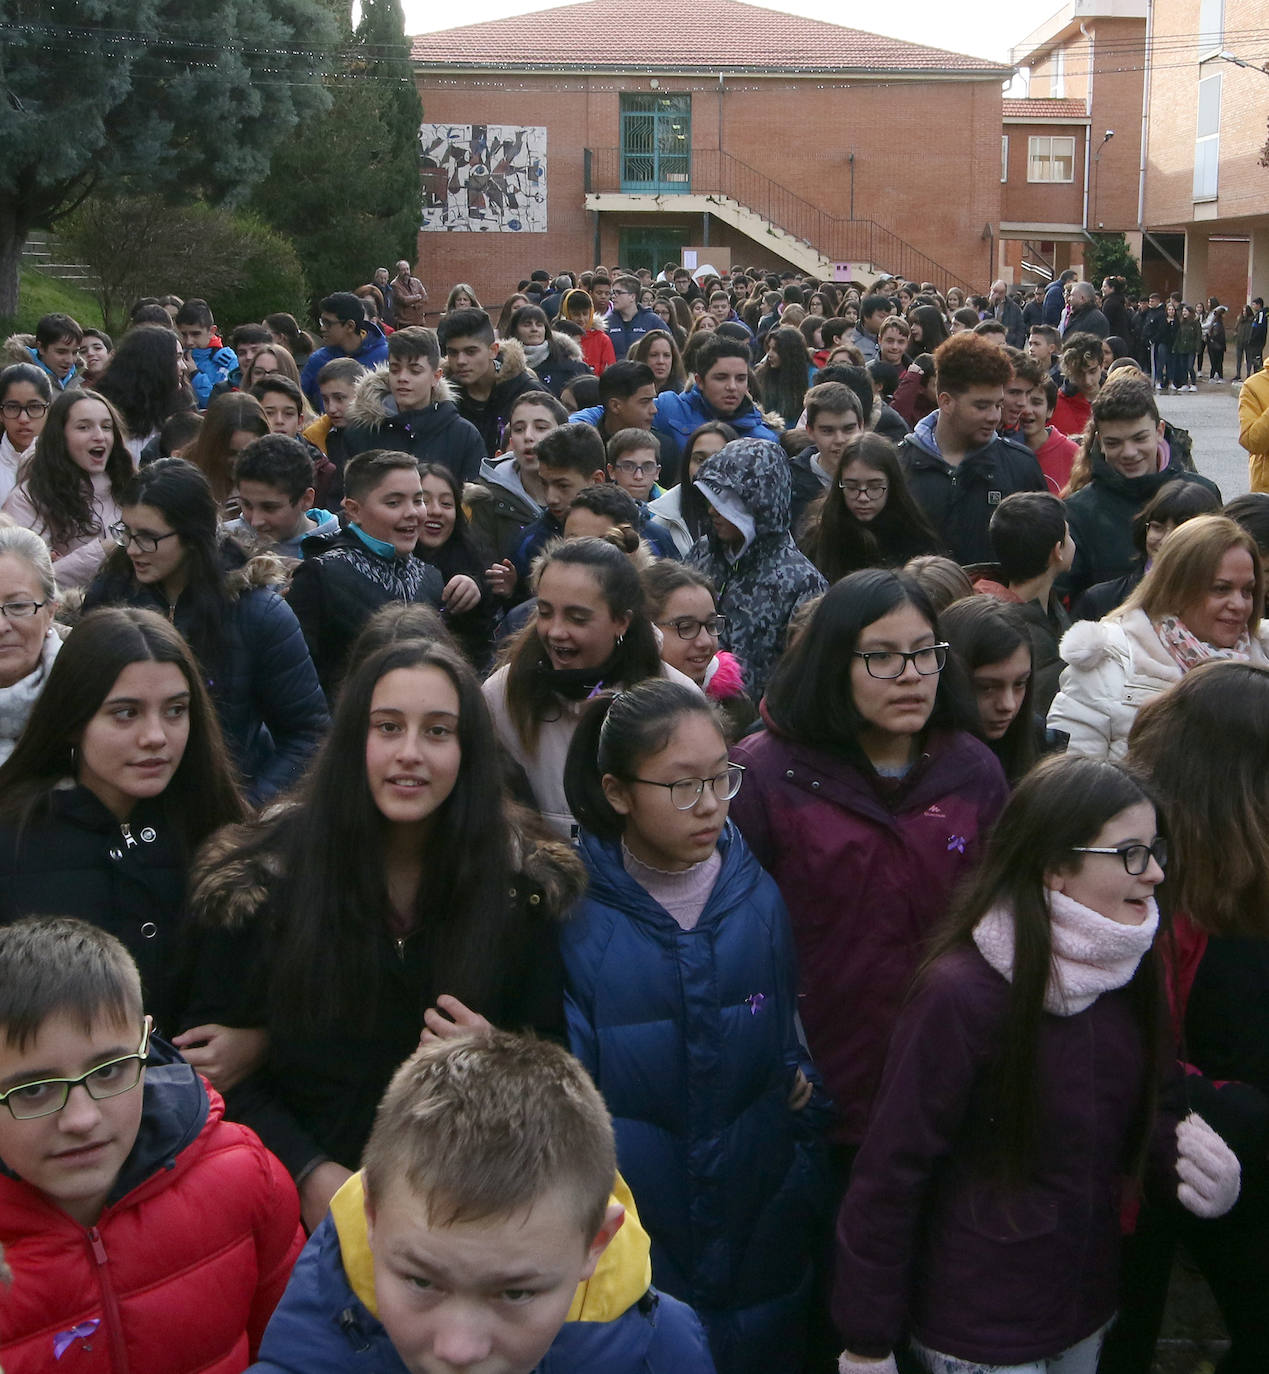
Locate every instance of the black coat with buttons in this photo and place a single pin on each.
(75, 859)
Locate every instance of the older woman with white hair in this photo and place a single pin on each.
(28, 640)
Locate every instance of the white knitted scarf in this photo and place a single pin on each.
(1091, 953)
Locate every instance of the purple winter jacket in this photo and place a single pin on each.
(928, 1243)
(866, 873)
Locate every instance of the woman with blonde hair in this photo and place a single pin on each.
(1202, 600)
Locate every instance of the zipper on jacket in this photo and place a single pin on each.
(109, 1303)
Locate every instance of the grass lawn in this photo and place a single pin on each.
(42, 295)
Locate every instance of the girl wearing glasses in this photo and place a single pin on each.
(867, 518)
(69, 489)
(119, 776)
(169, 556)
(682, 606)
(1204, 745)
(1202, 600)
(25, 396)
(1020, 1095)
(866, 799)
(446, 920)
(680, 997)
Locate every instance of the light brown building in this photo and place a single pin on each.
(614, 132)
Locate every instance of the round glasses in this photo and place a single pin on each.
(888, 663)
(30, 1100)
(686, 792)
(1136, 857)
(688, 627)
(33, 410)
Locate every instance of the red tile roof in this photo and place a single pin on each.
(1042, 108)
(668, 35)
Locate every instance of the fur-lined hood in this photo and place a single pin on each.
(373, 403)
(231, 877)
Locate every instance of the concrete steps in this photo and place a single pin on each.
(43, 252)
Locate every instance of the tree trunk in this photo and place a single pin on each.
(12, 236)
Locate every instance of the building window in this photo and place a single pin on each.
(1059, 74)
(1004, 157)
(1211, 25)
(1050, 159)
(1208, 138)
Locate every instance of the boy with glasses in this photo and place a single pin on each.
(134, 1219)
(625, 321)
(346, 333)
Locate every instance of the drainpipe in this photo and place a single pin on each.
(1088, 133)
(1145, 117)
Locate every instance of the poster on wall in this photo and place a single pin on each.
(483, 178)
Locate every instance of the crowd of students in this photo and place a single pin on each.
(787, 697)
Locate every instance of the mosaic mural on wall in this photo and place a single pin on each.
(483, 178)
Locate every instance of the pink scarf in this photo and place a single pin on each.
(1091, 953)
(1188, 651)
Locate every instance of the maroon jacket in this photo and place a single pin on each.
(928, 1242)
(866, 872)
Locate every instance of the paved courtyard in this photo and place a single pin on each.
(1211, 416)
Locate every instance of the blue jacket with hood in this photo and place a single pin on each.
(373, 351)
(760, 587)
(328, 1322)
(680, 413)
(691, 1037)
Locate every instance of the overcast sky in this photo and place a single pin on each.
(986, 28)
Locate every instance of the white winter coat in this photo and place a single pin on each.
(1113, 667)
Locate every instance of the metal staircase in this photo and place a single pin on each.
(806, 235)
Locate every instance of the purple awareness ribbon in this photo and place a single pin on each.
(63, 1341)
(755, 1000)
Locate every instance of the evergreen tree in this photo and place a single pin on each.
(346, 188)
(181, 97)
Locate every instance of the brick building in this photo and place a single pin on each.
(609, 132)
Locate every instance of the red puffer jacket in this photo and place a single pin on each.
(185, 1265)
(866, 872)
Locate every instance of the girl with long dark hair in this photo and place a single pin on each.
(554, 357)
(448, 542)
(993, 643)
(866, 798)
(69, 489)
(444, 922)
(170, 557)
(1019, 1090)
(867, 518)
(230, 423)
(680, 955)
(143, 380)
(25, 397)
(683, 510)
(785, 373)
(119, 776)
(590, 631)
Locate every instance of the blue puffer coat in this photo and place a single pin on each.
(690, 1036)
(680, 413)
(271, 706)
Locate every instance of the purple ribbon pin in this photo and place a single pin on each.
(956, 842)
(754, 1001)
(63, 1341)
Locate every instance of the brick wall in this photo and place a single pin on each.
(1042, 202)
(927, 159)
(1118, 77)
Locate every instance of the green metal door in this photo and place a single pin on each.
(656, 142)
(650, 248)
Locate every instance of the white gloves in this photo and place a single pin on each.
(1209, 1172)
(856, 1364)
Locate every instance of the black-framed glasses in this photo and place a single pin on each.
(688, 627)
(686, 792)
(874, 491)
(1136, 857)
(49, 1095)
(21, 610)
(33, 410)
(887, 663)
(146, 543)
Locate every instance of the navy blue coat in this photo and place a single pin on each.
(691, 1038)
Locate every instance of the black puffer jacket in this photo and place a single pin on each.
(265, 687)
(490, 416)
(340, 585)
(436, 434)
(316, 1097)
(75, 859)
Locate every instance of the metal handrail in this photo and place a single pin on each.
(717, 172)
